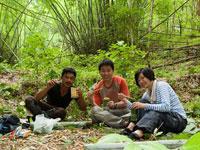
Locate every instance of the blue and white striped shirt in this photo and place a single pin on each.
(166, 100)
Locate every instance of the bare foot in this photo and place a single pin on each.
(139, 133)
(131, 126)
(128, 129)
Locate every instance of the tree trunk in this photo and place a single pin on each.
(149, 31)
(198, 7)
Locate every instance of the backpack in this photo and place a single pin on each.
(8, 123)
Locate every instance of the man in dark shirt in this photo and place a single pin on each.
(58, 97)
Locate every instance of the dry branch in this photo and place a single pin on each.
(176, 62)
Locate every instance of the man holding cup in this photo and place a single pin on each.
(58, 95)
(109, 107)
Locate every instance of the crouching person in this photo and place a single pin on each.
(115, 113)
(159, 107)
(57, 96)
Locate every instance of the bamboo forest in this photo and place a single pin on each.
(99, 74)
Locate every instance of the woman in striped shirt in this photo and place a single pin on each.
(159, 107)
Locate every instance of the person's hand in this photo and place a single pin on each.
(111, 104)
(122, 97)
(79, 92)
(138, 105)
(51, 83)
(89, 94)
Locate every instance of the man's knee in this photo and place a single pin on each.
(96, 114)
(60, 113)
(96, 109)
(29, 100)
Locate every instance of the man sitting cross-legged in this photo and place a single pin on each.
(58, 97)
(115, 114)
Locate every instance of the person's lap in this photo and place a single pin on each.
(149, 120)
(111, 117)
(165, 121)
(41, 107)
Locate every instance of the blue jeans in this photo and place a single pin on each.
(147, 121)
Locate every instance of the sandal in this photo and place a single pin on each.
(126, 131)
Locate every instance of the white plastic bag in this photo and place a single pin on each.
(43, 124)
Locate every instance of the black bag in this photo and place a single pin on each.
(8, 123)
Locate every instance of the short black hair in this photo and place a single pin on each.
(106, 62)
(69, 70)
(147, 72)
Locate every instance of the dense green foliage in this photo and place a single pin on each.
(38, 38)
(88, 25)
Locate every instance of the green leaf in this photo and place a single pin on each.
(193, 143)
(132, 146)
(191, 126)
(153, 146)
(114, 138)
(147, 146)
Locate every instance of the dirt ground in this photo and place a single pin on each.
(73, 138)
(68, 139)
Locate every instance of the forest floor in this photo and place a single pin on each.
(71, 138)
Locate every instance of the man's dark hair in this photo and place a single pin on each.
(106, 62)
(147, 72)
(69, 70)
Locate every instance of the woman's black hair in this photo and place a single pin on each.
(69, 70)
(106, 62)
(147, 72)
